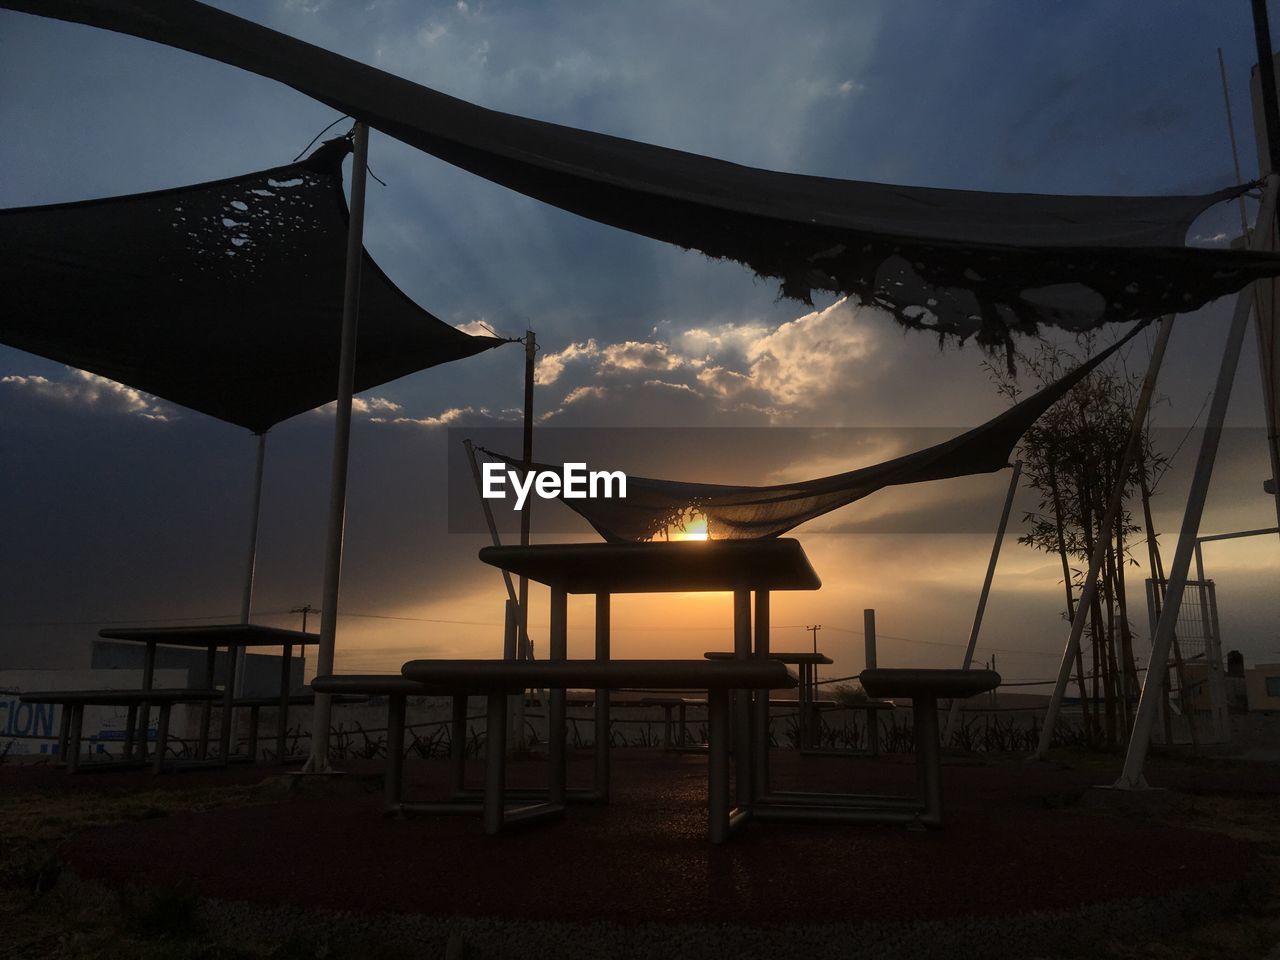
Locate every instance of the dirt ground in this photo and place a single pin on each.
(1030, 863)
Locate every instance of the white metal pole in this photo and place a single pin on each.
(319, 759)
(1131, 777)
(1100, 546)
(986, 589)
(246, 601)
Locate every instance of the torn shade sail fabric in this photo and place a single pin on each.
(956, 262)
(225, 297)
(652, 507)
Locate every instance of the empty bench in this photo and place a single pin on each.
(497, 679)
(397, 689)
(255, 704)
(73, 703)
(923, 688)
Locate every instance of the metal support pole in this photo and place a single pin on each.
(603, 732)
(510, 647)
(162, 736)
(1267, 80)
(869, 663)
(206, 709)
(742, 739)
(246, 600)
(555, 703)
(319, 760)
(1131, 777)
(928, 761)
(760, 761)
(282, 721)
(495, 762)
(525, 651)
(458, 742)
(1267, 139)
(395, 752)
(986, 589)
(718, 765)
(1096, 560)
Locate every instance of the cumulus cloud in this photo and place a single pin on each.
(373, 405)
(89, 390)
(634, 355)
(361, 405)
(475, 328)
(802, 368)
(454, 416)
(811, 357)
(726, 339)
(551, 365)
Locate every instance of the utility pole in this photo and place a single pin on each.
(305, 609)
(814, 630)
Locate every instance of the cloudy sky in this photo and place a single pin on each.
(119, 507)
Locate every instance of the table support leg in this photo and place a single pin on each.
(718, 765)
(802, 706)
(873, 733)
(458, 744)
(742, 739)
(683, 733)
(64, 732)
(77, 727)
(559, 650)
(495, 762)
(206, 709)
(667, 743)
(603, 734)
(928, 758)
(144, 709)
(282, 721)
(162, 737)
(254, 713)
(130, 732)
(392, 789)
(760, 759)
(228, 701)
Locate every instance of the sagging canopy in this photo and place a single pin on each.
(225, 297)
(953, 261)
(755, 513)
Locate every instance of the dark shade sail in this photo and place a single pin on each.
(953, 261)
(752, 513)
(225, 297)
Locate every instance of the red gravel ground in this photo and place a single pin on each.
(1014, 841)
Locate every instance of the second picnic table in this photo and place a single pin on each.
(231, 637)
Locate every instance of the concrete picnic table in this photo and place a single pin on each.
(740, 567)
(497, 679)
(924, 687)
(73, 703)
(213, 637)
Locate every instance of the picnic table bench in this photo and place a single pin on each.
(496, 679)
(231, 637)
(397, 689)
(923, 688)
(255, 704)
(73, 703)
